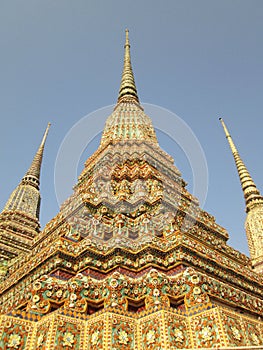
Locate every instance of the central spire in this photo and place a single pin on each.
(127, 87)
(128, 122)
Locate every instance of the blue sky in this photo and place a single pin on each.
(61, 60)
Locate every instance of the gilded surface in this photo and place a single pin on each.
(19, 221)
(131, 261)
(254, 207)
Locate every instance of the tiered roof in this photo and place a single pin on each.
(131, 261)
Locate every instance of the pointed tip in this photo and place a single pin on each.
(46, 132)
(127, 42)
(35, 167)
(19, 197)
(232, 146)
(251, 193)
(127, 87)
(48, 127)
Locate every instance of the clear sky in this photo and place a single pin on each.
(61, 60)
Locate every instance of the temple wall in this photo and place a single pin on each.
(161, 329)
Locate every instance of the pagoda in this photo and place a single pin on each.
(131, 261)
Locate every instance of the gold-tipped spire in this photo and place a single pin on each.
(33, 173)
(26, 196)
(127, 87)
(251, 193)
(128, 122)
(19, 220)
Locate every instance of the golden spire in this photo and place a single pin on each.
(19, 220)
(127, 88)
(128, 122)
(251, 193)
(33, 173)
(26, 196)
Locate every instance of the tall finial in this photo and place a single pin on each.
(22, 197)
(251, 193)
(33, 173)
(19, 221)
(128, 87)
